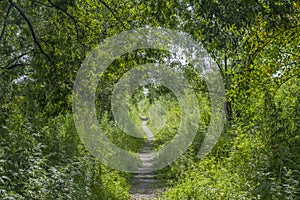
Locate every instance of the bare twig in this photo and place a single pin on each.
(112, 12)
(13, 4)
(17, 65)
(10, 64)
(220, 69)
(285, 81)
(69, 15)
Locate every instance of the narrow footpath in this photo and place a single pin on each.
(144, 180)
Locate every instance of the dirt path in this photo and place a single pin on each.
(144, 181)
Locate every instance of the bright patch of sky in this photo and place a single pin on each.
(21, 79)
(178, 56)
(277, 74)
(145, 91)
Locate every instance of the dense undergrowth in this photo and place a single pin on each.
(28, 171)
(260, 161)
(255, 46)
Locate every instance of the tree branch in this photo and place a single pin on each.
(30, 27)
(220, 69)
(10, 64)
(285, 81)
(17, 65)
(5, 21)
(112, 12)
(70, 16)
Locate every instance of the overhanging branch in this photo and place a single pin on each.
(69, 15)
(13, 64)
(5, 21)
(112, 12)
(13, 4)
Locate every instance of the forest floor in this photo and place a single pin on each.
(144, 183)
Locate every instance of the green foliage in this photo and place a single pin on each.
(244, 174)
(255, 45)
(121, 139)
(51, 163)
